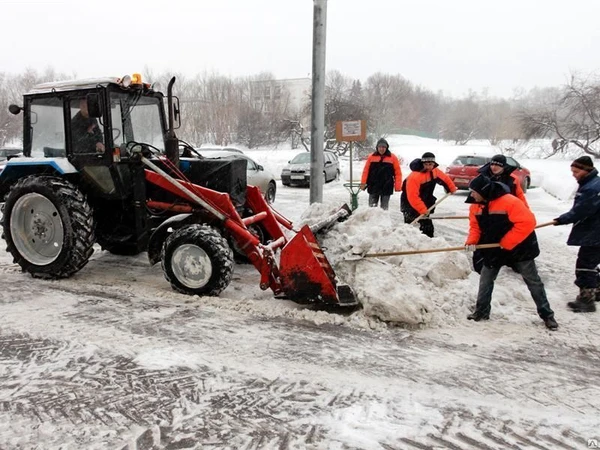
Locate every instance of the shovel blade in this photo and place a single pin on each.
(306, 274)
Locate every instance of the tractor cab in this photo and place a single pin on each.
(93, 124)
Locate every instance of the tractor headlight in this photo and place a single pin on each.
(126, 81)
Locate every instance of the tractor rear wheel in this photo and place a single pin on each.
(197, 260)
(48, 226)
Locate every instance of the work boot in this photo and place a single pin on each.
(584, 301)
(551, 323)
(477, 316)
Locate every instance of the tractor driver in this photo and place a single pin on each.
(85, 131)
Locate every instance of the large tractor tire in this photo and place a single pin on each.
(197, 260)
(48, 226)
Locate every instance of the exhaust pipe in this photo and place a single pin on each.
(171, 141)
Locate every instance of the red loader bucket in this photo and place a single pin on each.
(306, 275)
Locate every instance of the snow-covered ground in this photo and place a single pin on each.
(113, 355)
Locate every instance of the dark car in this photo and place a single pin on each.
(8, 153)
(297, 171)
(464, 168)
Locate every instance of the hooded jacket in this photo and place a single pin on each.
(382, 173)
(417, 190)
(503, 219)
(585, 214)
(508, 178)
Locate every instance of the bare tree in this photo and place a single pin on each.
(387, 97)
(12, 88)
(462, 120)
(499, 122)
(343, 101)
(573, 118)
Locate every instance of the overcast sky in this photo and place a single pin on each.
(448, 45)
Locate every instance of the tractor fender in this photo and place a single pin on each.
(17, 168)
(61, 166)
(162, 232)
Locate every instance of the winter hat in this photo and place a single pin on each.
(428, 157)
(482, 185)
(498, 160)
(583, 163)
(382, 141)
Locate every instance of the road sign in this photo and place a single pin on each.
(351, 130)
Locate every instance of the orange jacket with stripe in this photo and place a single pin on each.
(382, 173)
(417, 192)
(504, 219)
(517, 190)
(507, 177)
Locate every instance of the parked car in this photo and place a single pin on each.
(8, 153)
(214, 148)
(464, 168)
(297, 171)
(256, 174)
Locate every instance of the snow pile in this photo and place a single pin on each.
(415, 290)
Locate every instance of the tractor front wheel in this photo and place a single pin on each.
(197, 260)
(48, 226)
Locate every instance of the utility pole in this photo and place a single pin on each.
(317, 129)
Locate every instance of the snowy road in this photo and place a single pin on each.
(93, 361)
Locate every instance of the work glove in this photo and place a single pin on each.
(470, 247)
(556, 221)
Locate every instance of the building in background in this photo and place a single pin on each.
(290, 95)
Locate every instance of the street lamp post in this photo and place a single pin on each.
(317, 129)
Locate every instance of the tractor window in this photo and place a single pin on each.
(47, 128)
(137, 118)
(86, 131)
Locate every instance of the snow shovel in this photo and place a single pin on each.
(416, 252)
(541, 225)
(433, 250)
(448, 217)
(422, 216)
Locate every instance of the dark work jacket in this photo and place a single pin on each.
(382, 173)
(585, 214)
(417, 190)
(85, 133)
(506, 220)
(508, 178)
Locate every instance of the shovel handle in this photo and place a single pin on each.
(541, 225)
(545, 224)
(431, 207)
(438, 250)
(431, 250)
(448, 217)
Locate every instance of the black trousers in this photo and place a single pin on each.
(586, 272)
(425, 225)
(377, 198)
(528, 271)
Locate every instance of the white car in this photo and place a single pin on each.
(256, 174)
(297, 171)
